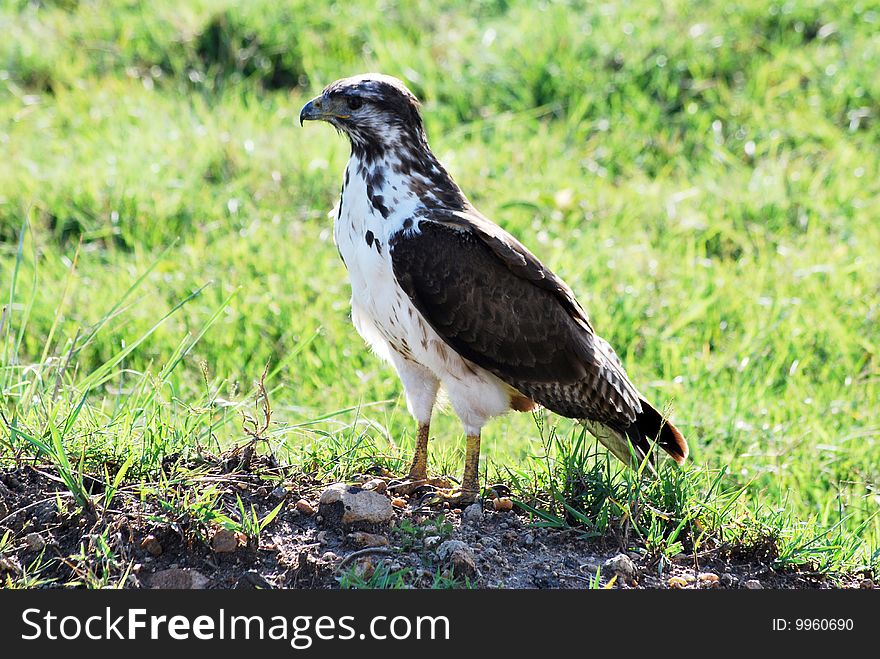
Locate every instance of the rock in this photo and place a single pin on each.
(728, 580)
(329, 557)
(753, 584)
(397, 502)
(376, 484)
(459, 557)
(866, 583)
(278, 493)
(620, 565)
(34, 542)
(473, 514)
(351, 505)
(544, 577)
(303, 507)
(11, 482)
(364, 539)
(225, 541)
(677, 582)
(528, 539)
(364, 567)
(709, 579)
(151, 545)
(178, 579)
(431, 541)
(10, 564)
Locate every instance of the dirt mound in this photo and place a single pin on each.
(221, 527)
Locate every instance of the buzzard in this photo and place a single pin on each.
(451, 299)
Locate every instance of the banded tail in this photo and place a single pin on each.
(649, 427)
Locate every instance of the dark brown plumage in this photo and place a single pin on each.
(497, 305)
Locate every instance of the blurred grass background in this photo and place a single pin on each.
(705, 175)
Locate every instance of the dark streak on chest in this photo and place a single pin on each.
(377, 201)
(372, 241)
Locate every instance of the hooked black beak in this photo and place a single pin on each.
(312, 110)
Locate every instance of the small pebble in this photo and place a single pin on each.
(709, 579)
(35, 542)
(364, 567)
(224, 541)
(728, 580)
(431, 541)
(376, 484)
(397, 502)
(753, 584)
(305, 508)
(363, 539)
(473, 514)
(622, 565)
(328, 557)
(677, 582)
(151, 545)
(502, 504)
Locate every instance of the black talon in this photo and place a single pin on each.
(423, 490)
(500, 490)
(429, 498)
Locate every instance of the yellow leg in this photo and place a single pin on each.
(419, 469)
(470, 482)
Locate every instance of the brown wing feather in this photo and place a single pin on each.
(494, 302)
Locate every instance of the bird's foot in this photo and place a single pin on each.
(417, 487)
(456, 497)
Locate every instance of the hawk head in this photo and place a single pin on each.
(373, 110)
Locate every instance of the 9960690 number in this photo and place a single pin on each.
(823, 624)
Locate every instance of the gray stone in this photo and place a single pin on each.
(178, 579)
(459, 557)
(728, 580)
(352, 506)
(473, 514)
(34, 542)
(431, 541)
(621, 565)
(364, 539)
(753, 584)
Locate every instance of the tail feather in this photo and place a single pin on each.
(648, 428)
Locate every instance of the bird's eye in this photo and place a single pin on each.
(354, 102)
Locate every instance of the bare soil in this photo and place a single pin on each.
(154, 542)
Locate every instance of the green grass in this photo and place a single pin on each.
(705, 175)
